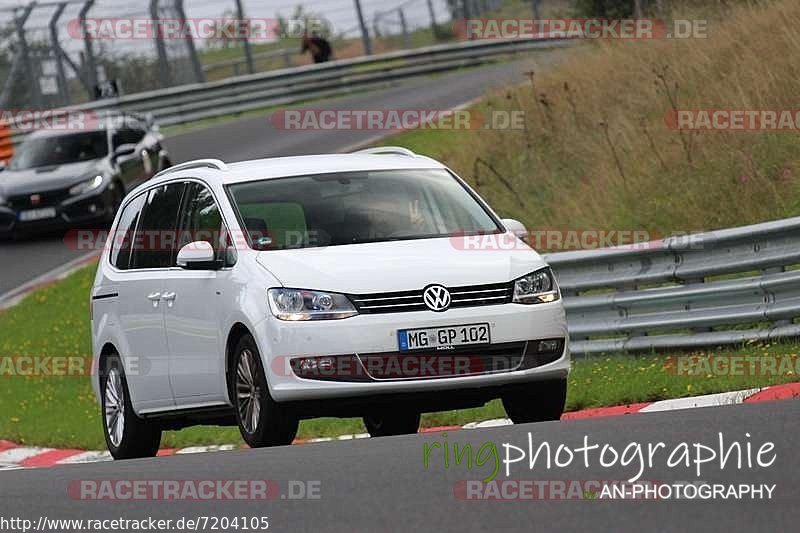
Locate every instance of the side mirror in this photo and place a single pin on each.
(516, 227)
(124, 150)
(2, 166)
(198, 255)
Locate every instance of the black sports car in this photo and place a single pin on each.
(59, 179)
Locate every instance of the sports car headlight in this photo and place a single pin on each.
(301, 304)
(536, 288)
(87, 186)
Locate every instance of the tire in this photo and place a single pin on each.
(262, 421)
(395, 423)
(545, 401)
(127, 436)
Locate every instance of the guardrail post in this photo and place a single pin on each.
(161, 50)
(364, 31)
(63, 88)
(89, 64)
(248, 53)
(30, 72)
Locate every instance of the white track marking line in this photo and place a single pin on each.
(495, 422)
(204, 449)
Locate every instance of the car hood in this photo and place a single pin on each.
(397, 266)
(36, 180)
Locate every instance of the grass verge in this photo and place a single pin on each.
(61, 411)
(596, 150)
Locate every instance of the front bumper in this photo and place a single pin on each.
(281, 341)
(77, 211)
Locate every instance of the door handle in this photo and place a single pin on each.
(154, 297)
(169, 297)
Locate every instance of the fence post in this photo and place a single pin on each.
(161, 50)
(404, 26)
(248, 53)
(63, 88)
(364, 32)
(535, 7)
(432, 14)
(199, 75)
(90, 65)
(30, 72)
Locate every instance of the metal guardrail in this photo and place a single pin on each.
(199, 101)
(718, 288)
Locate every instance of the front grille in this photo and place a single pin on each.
(46, 199)
(401, 302)
(460, 361)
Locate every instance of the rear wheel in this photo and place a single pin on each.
(383, 424)
(262, 421)
(127, 435)
(544, 401)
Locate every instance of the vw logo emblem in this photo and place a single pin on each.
(436, 297)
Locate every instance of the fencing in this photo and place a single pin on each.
(189, 103)
(718, 288)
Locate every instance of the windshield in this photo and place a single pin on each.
(358, 207)
(60, 150)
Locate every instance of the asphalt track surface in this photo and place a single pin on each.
(381, 484)
(255, 137)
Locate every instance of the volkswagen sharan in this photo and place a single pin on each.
(376, 284)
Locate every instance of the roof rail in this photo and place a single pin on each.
(397, 150)
(197, 163)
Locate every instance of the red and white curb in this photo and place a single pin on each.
(16, 457)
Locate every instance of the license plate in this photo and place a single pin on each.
(444, 337)
(37, 214)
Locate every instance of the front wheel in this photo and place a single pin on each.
(127, 435)
(262, 421)
(544, 401)
(385, 424)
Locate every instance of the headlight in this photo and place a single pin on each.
(536, 288)
(300, 304)
(87, 186)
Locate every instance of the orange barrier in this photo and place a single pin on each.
(6, 144)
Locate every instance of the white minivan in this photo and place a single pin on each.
(376, 284)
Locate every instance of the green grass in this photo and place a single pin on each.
(61, 412)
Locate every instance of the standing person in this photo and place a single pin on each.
(320, 47)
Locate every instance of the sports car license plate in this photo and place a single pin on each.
(37, 214)
(444, 337)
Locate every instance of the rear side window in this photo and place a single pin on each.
(155, 236)
(202, 220)
(123, 237)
